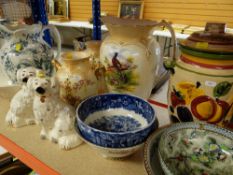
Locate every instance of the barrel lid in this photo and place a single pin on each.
(212, 39)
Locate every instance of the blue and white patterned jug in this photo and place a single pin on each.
(26, 47)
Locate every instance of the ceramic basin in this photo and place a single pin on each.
(4, 79)
(115, 121)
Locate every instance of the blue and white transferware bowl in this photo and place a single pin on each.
(113, 153)
(115, 120)
(197, 149)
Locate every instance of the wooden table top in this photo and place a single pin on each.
(47, 159)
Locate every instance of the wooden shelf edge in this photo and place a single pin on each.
(26, 157)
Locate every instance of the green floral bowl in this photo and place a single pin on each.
(196, 149)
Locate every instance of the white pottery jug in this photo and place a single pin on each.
(132, 56)
(26, 47)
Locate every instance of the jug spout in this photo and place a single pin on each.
(56, 64)
(127, 28)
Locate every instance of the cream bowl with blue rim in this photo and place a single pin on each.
(115, 121)
(197, 149)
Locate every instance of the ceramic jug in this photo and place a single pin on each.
(76, 74)
(200, 87)
(93, 47)
(26, 47)
(131, 55)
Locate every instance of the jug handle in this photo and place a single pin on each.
(164, 75)
(56, 35)
(2, 27)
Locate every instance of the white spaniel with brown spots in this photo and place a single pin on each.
(20, 112)
(55, 116)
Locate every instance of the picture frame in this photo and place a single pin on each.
(58, 10)
(131, 9)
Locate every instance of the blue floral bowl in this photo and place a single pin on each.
(115, 120)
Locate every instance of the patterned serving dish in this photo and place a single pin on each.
(151, 156)
(196, 149)
(115, 120)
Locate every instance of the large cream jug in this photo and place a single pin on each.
(131, 55)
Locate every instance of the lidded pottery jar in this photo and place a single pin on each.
(200, 87)
(131, 55)
(76, 76)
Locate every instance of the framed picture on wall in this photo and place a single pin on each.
(58, 9)
(131, 9)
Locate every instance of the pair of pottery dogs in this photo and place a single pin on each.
(38, 102)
